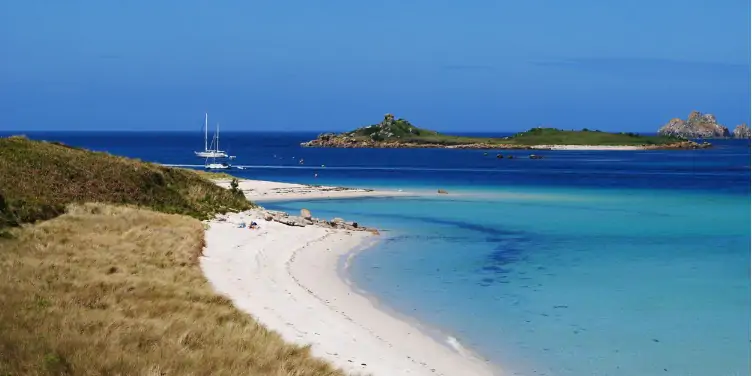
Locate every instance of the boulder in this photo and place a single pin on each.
(291, 221)
(268, 216)
(305, 213)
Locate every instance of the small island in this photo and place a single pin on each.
(702, 126)
(400, 133)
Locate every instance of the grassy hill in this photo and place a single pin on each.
(107, 281)
(552, 136)
(401, 131)
(391, 129)
(38, 179)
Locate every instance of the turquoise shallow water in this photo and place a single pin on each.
(567, 282)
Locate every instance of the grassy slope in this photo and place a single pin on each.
(38, 179)
(212, 175)
(551, 136)
(535, 136)
(105, 289)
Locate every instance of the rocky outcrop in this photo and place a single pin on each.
(335, 223)
(742, 131)
(697, 125)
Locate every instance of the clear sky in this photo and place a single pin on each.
(472, 65)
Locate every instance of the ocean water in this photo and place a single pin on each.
(582, 263)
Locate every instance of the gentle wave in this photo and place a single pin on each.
(457, 346)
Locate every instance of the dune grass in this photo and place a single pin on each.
(38, 179)
(114, 287)
(211, 175)
(105, 290)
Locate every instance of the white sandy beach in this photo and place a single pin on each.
(260, 190)
(587, 147)
(287, 278)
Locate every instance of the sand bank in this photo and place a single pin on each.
(287, 278)
(588, 147)
(260, 190)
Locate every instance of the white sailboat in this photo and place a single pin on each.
(210, 153)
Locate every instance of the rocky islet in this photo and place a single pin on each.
(699, 126)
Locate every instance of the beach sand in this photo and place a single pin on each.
(287, 278)
(260, 190)
(588, 147)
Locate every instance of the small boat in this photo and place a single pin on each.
(210, 150)
(217, 166)
(212, 164)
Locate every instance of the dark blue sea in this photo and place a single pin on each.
(581, 263)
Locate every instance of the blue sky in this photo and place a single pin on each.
(334, 65)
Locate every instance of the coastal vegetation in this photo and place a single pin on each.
(99, 272)
(552, 136)
(393, 132)
(39, 179)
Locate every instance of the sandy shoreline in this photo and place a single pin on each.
(588, 147)
(289, 279)
(260, 190)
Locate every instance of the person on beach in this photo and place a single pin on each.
(253, 226)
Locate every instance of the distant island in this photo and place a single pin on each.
(400, 133)
(699, 125)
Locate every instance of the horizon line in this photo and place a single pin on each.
(21, 132)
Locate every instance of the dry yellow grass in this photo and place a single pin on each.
(106, 290)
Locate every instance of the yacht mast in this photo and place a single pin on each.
(218, 137)
(206, 130)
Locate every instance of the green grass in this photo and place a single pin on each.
(211, 175)
(552, 136)
(391, 129)
(399, 131)
(39, 179)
